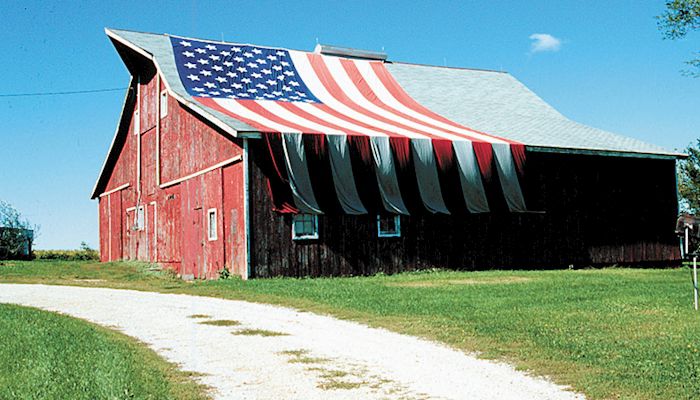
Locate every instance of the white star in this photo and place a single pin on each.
(190, 65)
(248, 55)
(257, 51)
(252, 65)
(256, 75)
(237, 86)
(243, 95)
(280, 77)
(225, 53)
(251, 90)
(238, 59)
(271, 57)
(266, 71)
(193, 77)
(228, 64)
(260, 61)
(286, 88)
(214, 58)
(288, 73)
(205, 72)
(277, 68)
(200, 51)
(280, 53)
(198, 89)
(276, 93)
(226, 90)
(214, 93)
(236, 49)
(246, 80)
(284, 63)
(220, 79)
(232, 96)
(210, 47)
(217, 68)
(210, 85)
(188, 54)
(294, 83)
(294, 97)
(261, 86)
(231, 74)
(271, 82)
(241, 70)
(302, 94)
(203, 61)
(186, 44)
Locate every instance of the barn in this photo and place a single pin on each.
(276, 162)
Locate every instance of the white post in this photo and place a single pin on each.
(695, 281)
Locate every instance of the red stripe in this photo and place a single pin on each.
(334, 89)
(397, 91)
(484, 157)
(369, 94)
(291, 107)
(211, 103)
(255, 107)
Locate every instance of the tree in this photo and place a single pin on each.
(680, 17)
(689, 180)
(16, 232)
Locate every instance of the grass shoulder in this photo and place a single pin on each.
(47, 355)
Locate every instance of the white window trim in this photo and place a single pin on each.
(306, 237)
(137, 111)
(397, 220)
(216, 225)
(163, 104)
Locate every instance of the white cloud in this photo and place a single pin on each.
(544, 42)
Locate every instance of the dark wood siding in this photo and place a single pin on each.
(596, 210)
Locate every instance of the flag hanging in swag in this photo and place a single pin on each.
(342, 135)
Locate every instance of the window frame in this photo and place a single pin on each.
(210, 212)
(163, 99)
(389, 234)
(311, 236)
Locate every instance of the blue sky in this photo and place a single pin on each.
(602, 63)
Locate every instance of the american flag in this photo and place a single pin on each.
(279, 90)
(297, 93)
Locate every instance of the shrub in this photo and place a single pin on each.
(85, 253)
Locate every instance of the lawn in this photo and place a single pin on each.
(45, 355)
(610, 333)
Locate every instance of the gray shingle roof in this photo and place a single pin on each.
(489, 101)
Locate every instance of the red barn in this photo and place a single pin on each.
(268, 161)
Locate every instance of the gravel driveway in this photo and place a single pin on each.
(311, 356)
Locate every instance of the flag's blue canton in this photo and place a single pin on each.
(240, 72)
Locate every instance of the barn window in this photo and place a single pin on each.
(388, 225)
(140, 218)
(211, 224)
(163, 104)
(304, 226)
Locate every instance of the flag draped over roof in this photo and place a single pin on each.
(341, 135)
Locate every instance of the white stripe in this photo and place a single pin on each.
(350, 89)
(308, 75)
(234, 107)
(387, 98)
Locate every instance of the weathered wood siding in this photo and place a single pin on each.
(597, 210)
(175, 146)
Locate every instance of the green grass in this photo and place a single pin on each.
(44, 355)
(220, 322)
(257, 332)
(610, 333)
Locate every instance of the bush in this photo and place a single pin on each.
(85, 253)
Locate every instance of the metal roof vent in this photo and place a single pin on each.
(337, 51)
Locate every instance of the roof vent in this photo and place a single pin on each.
(349, 53)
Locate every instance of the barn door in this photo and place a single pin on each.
(193, 252)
